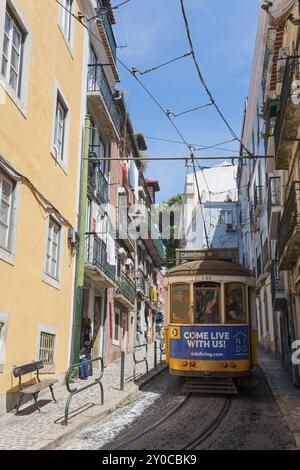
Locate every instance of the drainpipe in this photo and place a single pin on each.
(79, 277)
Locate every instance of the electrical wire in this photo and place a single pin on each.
(202, 80)
(196, 147)
(189, 110)
(152, 69)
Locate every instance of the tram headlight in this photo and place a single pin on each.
(233, 365)
(184, 363)
(225, 365)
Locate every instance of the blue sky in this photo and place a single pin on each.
(223, 33)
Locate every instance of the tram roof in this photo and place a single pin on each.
(206, 267)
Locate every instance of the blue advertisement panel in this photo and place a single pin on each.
(214, 343)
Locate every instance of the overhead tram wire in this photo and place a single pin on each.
(192, 157)
(202, 80)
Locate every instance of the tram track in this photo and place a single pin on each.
(211, 428)
(156, 424)
(208, 431)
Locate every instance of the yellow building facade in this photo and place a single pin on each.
(41, 81)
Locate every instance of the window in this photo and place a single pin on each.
(226, 217)
(235, 303)
(66, 18)
(180, 303)
(12, 53)
(46, 349)
(116, 328)
(6, 210)
(53, 249)
(207, 302)
(60, 124)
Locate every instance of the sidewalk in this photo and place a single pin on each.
(286, 395)
(33, 430)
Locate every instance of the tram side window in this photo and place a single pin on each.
(180, 303)
(235, 307)
(207, 303)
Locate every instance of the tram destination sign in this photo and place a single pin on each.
(213, 254)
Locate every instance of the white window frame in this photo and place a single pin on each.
(8, 252)
(115, 341)
(7, 56)
(19, 98)
(226, 212)
(48, 277)
(66, 23)
(60, 129)
(4, 318)
(52, 330)
(62, 157)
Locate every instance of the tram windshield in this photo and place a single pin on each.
(235, 308)
(180, 303)
(207, 302)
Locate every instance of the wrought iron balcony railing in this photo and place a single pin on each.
(258, 266)
(155, 235)
(265, 254)
(97, 82)
(110, 35)
(258, 196)
(277, 283)
(96, 179)
(96, 255)
(127, 287)
(274, 194)
(292, 73)
(290, 218)
(141, 284)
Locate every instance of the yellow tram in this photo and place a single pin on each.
(210, 319)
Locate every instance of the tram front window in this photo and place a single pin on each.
(180, 300)
(207, 303)
(235, 303)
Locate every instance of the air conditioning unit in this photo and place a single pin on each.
(284, 53)
(230, 228)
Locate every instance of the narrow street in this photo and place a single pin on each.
(253, 421)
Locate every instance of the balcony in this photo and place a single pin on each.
(286, 131)
(102, 103)
(266, 256)
(154, 241)
(141, 283)
(273, 206)
(123, 231)
(253, 220)
(97, 267)
(108, 41)
(258, 200)
(97, 182)
(126, 291)
(277, 287)
(258, 267)
(289, 230)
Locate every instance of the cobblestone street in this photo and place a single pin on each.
(254, 420)
(33, 430)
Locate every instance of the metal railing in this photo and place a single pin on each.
(155, 235)
(74, 391)
(97, 180)
(277, 283)
(110, 35)
(258, 196)
(274, 194)
(290, 218)
(136, 361)
(265, 253)
(127, 287)
(289, 76)
(258, 266)
(96, 255)
(141, 284)
(97, 82)
(253, 219)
